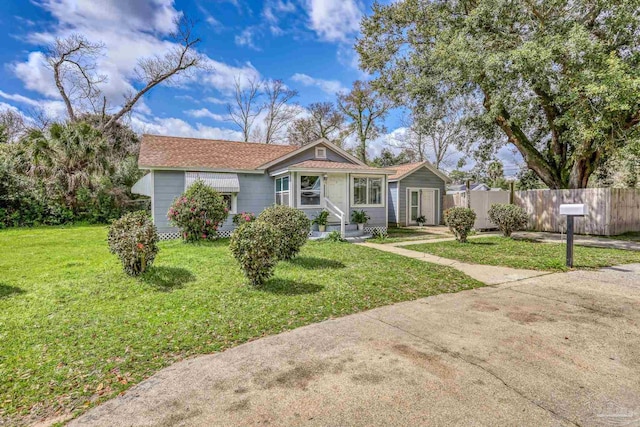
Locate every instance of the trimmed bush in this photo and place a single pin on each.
(255, 245)
(508, 218)
(134, 239)
(460, 221)
(198, 213)
(292, 225)
(241, 218)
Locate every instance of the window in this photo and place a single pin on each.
(310, 186)
(367, 191)
(282, 191)
(231, 202)
(321, 153)
(415, 197)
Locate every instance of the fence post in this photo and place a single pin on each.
(512, 195)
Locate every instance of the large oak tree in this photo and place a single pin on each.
(559, 79)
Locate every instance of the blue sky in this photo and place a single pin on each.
(306, 43)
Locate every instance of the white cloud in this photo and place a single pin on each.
(245, 38)
(330, 87)
(334, 20)
(19, 98)
(177, 127)
(204, 112)
(212, 100)
(222, 76)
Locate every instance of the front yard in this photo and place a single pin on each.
(526, 254)
(403, 234)
(75, 330)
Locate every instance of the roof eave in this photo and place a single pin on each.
(200, 169)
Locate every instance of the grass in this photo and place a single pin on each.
(526, 254)
(75, 330)
(631, 236)
(399, 234)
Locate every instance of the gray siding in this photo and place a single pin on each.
(167, 186)
(378, 216)
(422, 178)
(256, 193)
(309, 154)
(392, 201)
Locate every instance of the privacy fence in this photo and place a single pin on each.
(610, 211)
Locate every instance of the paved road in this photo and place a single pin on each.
(561, 349)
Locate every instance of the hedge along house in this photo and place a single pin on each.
(253, 176)
(416, 189)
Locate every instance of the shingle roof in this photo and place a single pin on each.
(403, 170)
(327, 164)
(177, 152)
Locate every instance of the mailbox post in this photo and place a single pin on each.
(571, 211)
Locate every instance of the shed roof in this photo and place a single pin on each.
(402, 171)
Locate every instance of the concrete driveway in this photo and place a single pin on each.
(561, 349)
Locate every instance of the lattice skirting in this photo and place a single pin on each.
(379, 229)
(177, 235)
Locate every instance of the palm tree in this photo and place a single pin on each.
(66, 158)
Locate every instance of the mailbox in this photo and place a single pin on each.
(573, 209)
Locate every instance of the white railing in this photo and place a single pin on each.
(331, 207)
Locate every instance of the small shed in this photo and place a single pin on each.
(415, 190)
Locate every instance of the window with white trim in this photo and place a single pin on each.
(282, 191)
(310, 190)
(231, 200)
(367, 191)
(321, 153)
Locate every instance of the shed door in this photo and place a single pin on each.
(428, 205)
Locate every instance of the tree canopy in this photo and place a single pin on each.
(559, 80)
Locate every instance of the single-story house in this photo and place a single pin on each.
(253, 176)
(415, 190)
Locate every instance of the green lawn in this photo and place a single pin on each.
(399, 234)
(525, 254)
(631, 236)
(75, 330)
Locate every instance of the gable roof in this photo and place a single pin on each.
(174, 152)
(326, 143)
(402, 171)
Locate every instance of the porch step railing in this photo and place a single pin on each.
(332, 208)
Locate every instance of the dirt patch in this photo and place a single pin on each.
(241, 405)
(525, 317)
(298, 376)
(431, 362)
(483, 306)
(367, 378)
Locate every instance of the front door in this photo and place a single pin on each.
(336, 192)
(428, 206)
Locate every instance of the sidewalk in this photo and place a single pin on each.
(489, 274)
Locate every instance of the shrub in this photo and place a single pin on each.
(255, 246)
(335, 236)
(198, 213)
(134, 239)
(508, 218)
(360, 217)
(380, 234)
(292, 225)
(241, 218)
(460, 222)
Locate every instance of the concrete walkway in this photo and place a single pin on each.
(558, 350)
(489, 274)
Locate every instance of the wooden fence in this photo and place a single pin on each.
(610, 211)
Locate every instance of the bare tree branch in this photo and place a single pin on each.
(72, 60)
(159, 69)
(245, 110)
(279, 112)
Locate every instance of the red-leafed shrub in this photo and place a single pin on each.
(199, 212)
